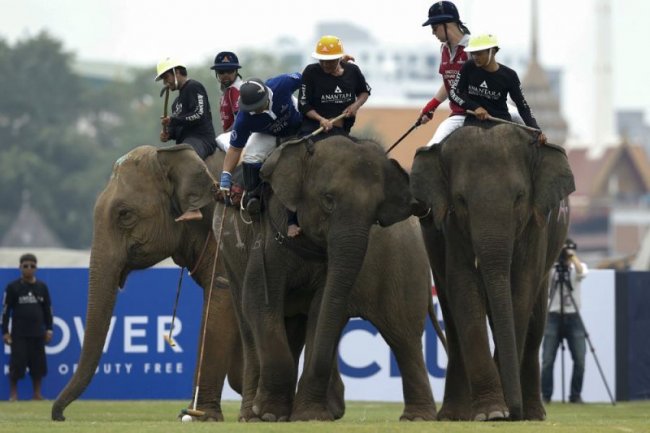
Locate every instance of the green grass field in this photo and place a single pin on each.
(362, 417)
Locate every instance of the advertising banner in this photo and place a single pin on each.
(138, 364)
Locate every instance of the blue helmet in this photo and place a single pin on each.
(442, 12)
(226, 61)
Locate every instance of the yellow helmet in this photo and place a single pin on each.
(481, 42)
(165, 65)
(328, 48)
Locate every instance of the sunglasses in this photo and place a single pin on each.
(28, 266)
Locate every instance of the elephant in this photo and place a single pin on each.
(134, 228)
(339, 189)
(497, 219)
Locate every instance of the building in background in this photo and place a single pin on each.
(29, 229)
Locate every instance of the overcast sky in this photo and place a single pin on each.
(140, 32)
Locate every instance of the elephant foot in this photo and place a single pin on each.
(211, 415)
(454, 412)
(336, 408)
(426, 412)
(246, 413)
(311, 412)
(57, 412)
(534, 411)
(272, 409)
(336, 400)
(491, 411)
(495, 415)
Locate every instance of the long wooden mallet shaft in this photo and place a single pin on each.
(496, 119)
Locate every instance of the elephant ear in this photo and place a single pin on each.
(396, 205)
(283, 170)
(429, 184)
(553, 180)
(188, 175)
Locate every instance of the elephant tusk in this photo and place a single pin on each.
(476, 262)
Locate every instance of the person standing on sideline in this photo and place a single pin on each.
(27, 303)
(447, 27)
(564, 323)
(226, 68)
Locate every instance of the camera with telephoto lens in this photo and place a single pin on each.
(568, 251)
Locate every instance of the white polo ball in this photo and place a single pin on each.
(186, 418)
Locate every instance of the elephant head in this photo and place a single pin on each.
(497, 196)
(337, 177)
(133, 229)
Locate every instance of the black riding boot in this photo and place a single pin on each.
(251, 201)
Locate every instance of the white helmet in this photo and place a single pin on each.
(481, 42)
(165, 65)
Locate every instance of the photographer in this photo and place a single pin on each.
(563, 321)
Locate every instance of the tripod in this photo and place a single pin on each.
(562, 283)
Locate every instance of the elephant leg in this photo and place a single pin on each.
(530, 368)
(456, 404)
(404, 336)
(277, 379)
(529, 295)
(306, 407)
(466, 301)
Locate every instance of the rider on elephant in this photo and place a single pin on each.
(331, 87)
(226, 68)
(449, 29)
(483, 86)
(189, 123)
(267, 111)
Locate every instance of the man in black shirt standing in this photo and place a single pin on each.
(27, 303)
(190, 121)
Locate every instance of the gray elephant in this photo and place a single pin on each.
(339, 189)
(134, 228)
(497, 222)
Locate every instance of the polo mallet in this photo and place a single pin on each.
(165, 90)
(194, 411)
(496, 119)
(168, 338)
(316, 132)
(411, 129)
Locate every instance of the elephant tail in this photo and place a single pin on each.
(436, 324)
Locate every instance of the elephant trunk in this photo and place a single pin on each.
(346, 252)
(102, 292)
(494, 258)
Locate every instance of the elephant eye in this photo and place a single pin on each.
(519, 198)
(327, 202)
(460, 200)
(126, 217)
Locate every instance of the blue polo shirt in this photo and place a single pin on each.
(281, 119)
